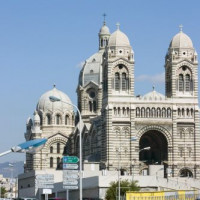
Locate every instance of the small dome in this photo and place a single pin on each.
(153, 96)
(118, 38)
(36, 117)
(104, 30)
(91, 71)
(45, 105)
(29, 121)
(181, 40)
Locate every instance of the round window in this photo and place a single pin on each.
(92, 94)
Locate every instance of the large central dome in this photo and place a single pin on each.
(45, 105)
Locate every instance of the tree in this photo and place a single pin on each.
(2, 192)
(125, 185)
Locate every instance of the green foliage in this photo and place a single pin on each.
(125, 185)
(3, 191)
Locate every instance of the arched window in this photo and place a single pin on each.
(48, 118)
(183, 112)
(158, 112)
(127, 111)
(90, 105)
(153, 111)
(168, 113)
(188, 112)
(124, 111)
(142, 112)
(124, 82)
(185, 173)
(94, 106)
(119, 111)
(137, 112)
(163, 112)
(115, 111)
(187, 82)
(66, 119)
(117, 82)
(58, 147)
(101, 42)
(181, 85)
(179, 112)
(51, 162)
(51, 149)
(58, 119)
(191, 112)
(148, 112)
(58, 162)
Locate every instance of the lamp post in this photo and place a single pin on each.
(30, 146)
(55, 99)
(11, 179)
(145, 148)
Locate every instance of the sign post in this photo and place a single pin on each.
(70, 173)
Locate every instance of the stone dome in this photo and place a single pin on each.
(118, 38)
(181, 40)
(91, 71)
(104, 30)
(45, 105)
(153, 96)
(36, 117)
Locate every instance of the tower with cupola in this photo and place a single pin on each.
(181, 87)
(181, 68)
(89, 88)
(118, 92)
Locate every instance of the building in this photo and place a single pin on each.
(112, 114)
(118, 125)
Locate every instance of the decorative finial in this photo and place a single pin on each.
(104, 18)
(54, 85)
(181, 28)
(153, 88)
(118, 25)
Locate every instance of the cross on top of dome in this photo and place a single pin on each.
(118, 25)
(104, 18)
(181, 27)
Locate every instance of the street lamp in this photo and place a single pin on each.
(11, 179)
(30, 146)
(55, 99)
(145, 148)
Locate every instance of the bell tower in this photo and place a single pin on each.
(181, 67)
(118, 67)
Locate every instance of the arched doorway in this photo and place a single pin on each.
(159, 148)
(185, 173)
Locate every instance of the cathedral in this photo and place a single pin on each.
(118, 126)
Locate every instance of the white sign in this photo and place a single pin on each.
(70, 187)
(45, 186)
(44, 180)
(70, 182)
(72, 174)
(70, 166)
(47, 191)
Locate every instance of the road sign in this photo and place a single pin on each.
(45, 181)
(70, 159)
(71, 174)
(47, 191)
(70, 187)
(45, 186)
(70, 182)
(70, 166)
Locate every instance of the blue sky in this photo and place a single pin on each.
(43, 42)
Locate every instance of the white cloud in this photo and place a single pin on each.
(157, 78)
(80, 65)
